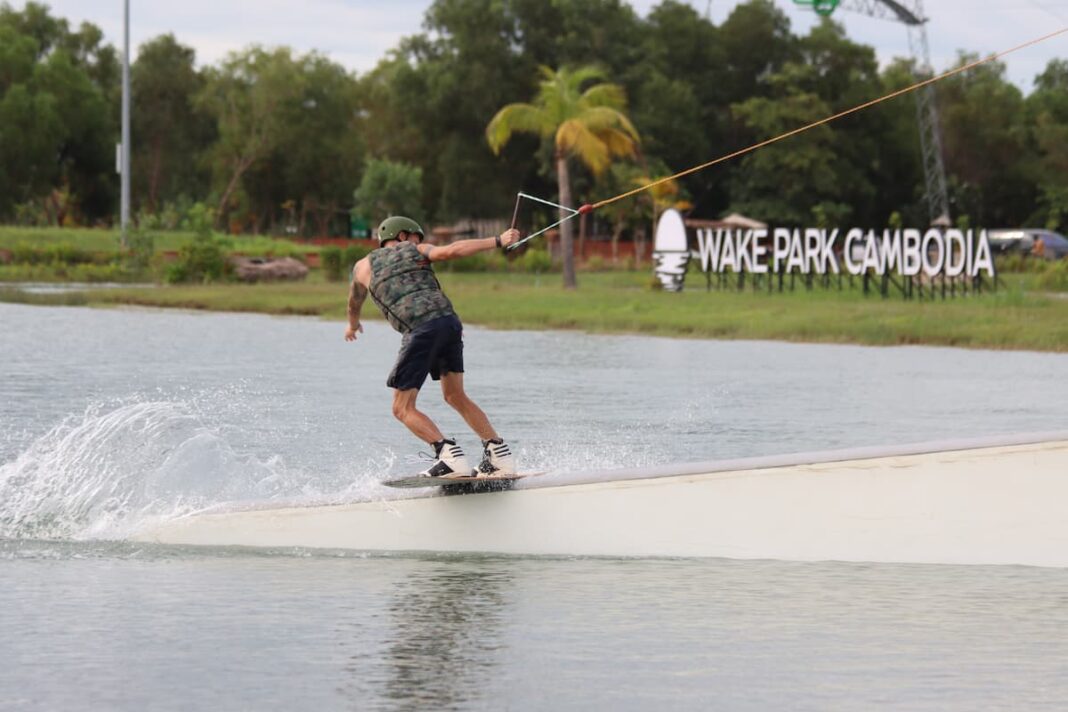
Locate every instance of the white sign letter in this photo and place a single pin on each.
(782, 247)
(851, 237)
(954, 247)
(709, 248)
(933, 238)
(983, 259)
(910, 253)
(760, 249)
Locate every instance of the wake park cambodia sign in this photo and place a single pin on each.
(905, 254)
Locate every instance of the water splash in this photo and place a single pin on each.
(99, 474)
(125, 464)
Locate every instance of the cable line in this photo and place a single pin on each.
(893, 95)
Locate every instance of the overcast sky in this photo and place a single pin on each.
(357, 33)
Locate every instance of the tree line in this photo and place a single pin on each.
(275, 141)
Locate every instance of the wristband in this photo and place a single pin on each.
(498, 239)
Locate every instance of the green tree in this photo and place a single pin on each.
(988, 159)
(245, 96)
(679, 99)
(1047, 109)
(896, 161)
(844, 75)
(622, 215)
(757, 42)
(779, 183)
(30, 125)
(319, 154)
(56, 124)
(167, 129)
(586, 124)
(389, 188)
(421, 108)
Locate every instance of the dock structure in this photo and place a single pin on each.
(998, 500)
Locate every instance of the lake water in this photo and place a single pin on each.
(109, 417)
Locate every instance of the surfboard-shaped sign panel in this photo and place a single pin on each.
(671, 251)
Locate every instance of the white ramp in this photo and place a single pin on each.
(969, 502)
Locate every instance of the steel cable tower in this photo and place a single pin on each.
(910, 13)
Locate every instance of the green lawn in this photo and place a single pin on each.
(621, 302)
(107, 240)
(1021, 315)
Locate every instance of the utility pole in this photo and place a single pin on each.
(124, 162)
(910, 13)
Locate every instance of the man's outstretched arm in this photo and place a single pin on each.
(466, 248)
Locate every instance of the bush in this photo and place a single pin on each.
(140, 248)
(99, 273)
(1019, 262)
(68, 254)
(479, 262)
(202, 260)
(352, 255)
(330, 259)
(535, 261)
(260, 246)
(23, 254)
(167, 217)
(596, 264)
(68, 273)
(58, 254)
(199, 220)
(1055, 276)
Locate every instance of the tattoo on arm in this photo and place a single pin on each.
(357, 295)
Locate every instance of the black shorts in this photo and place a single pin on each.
(434, 348)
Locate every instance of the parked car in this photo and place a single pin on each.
(1029, 241)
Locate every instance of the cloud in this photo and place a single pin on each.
(954, 25)
(358, 33)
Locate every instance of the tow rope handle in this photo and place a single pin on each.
(582, 210)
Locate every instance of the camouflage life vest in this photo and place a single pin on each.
(404, 287)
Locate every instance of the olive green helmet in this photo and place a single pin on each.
(393, 226)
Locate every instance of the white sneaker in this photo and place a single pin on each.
(497, 459)
(451, 461)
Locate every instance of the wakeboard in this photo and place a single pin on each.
(486, 483)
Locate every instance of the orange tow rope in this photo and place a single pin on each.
(588, 207)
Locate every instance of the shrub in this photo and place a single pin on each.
(167, 217)
(99, 273)
(596, 263)
(1021, 262)
(202, 260)
(260, 246)
(140, 248)
(23, 254)
(58, 254)
(1055, 277)
(67, 254)
(330, 259)
(352, 255)
(535, 261)
(199, 220)
(479, 262)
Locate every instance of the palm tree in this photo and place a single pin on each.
(585, 124)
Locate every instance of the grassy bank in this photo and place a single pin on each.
(621, 302)
(107, 240)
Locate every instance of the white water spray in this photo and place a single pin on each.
(99, 474)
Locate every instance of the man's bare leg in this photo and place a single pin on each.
(405, 411)
(452, 388)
